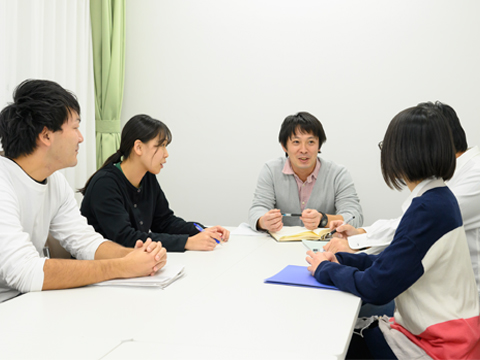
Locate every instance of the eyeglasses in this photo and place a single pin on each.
(380, 145)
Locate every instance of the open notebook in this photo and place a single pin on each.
(161, 279)
(297, 233)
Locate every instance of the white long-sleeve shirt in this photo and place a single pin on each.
(465, 185)
(28, 212)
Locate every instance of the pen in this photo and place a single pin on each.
(199, 228)
(288, 214)
(344, 222)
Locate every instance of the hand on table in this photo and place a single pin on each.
(145, 259)
(225, 234)
(314, 259)
(337, 244)
(203, 241)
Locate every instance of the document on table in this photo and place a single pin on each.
(297, 276)
(161, 279)
(245, 230)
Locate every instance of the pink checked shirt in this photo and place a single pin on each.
(304, 188)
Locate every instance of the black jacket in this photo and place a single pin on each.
(122, 213)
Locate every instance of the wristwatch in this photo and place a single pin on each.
(324, 220)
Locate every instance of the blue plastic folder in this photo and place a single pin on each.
(297, 276)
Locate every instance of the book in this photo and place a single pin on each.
(297, 233)
(162, 278)
(297, 276)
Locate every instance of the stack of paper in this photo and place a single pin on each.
(161, 279)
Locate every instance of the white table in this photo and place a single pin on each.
(220, 309)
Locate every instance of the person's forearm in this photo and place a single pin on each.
(65, 274)
(111, 250)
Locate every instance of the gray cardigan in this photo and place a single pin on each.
(333, 193)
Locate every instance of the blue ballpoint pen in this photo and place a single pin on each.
(201, 229)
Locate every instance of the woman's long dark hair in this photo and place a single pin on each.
(140, 127)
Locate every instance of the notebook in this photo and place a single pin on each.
(297, 276)
(297, 233)
(163, 277)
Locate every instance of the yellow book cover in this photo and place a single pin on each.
(298, 233)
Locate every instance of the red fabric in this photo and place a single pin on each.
(454, 339)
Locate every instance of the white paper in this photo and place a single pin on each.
(162, 278)
(245, 230)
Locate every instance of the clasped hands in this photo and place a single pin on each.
(148, 255)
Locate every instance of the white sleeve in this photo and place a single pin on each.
(467, 192)
(378, 236)
(21, 266)
(71, 229)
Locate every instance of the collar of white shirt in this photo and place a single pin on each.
(420, 189)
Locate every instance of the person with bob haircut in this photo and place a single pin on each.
(123, 199)
(465, 185)
(303, 183)
(426, 268)
(40, 134)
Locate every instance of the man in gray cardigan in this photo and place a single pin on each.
(303, 184)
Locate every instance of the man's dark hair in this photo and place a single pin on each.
(418, 144)
(301, 122)
(36, 104)
(459, 137)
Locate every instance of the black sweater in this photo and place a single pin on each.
(122, 213)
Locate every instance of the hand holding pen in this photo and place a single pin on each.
(271, 221)
(204, 240)
(342, 228)
(201, 229)
(311, 218)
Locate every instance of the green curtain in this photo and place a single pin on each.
(108, 37)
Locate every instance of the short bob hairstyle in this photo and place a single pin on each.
(418, 145)
(302, 122)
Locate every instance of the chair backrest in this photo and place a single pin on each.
(56, 250)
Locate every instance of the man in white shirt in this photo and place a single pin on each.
(40, 134)
(465, 185)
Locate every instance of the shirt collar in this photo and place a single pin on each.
(288, 170)
(421, 188)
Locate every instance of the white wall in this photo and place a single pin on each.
(224, 74)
